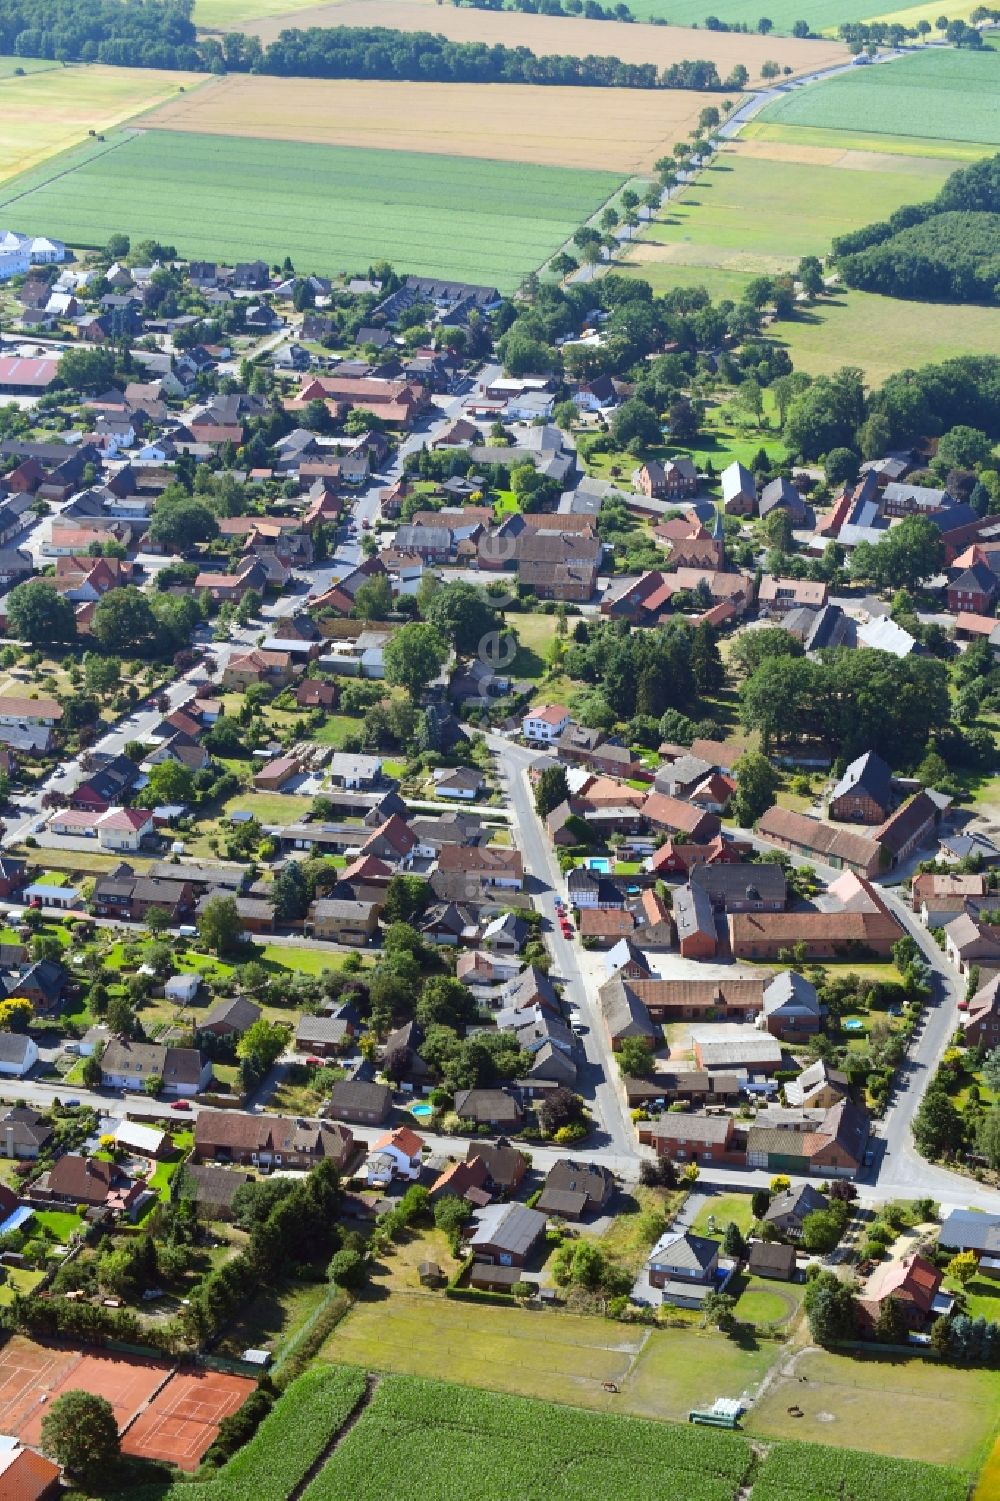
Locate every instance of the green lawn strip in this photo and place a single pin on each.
(19, 1280)
(658, 1373)
(303, 961)
(335, 730)
(329, 207)
(759, 1301)
(847, 139)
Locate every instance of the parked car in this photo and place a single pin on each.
(181, 1105)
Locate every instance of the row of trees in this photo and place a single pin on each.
(161, 34)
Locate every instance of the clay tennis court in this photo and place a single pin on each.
(182, 1420)
(162, 1414)
(32, 1376)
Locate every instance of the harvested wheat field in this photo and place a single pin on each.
(634, 43)
(615, 130)
(51, 109)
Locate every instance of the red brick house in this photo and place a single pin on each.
(914, 1282)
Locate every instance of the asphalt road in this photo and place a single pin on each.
(614, 1135)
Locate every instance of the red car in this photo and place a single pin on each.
(181, 1105)
(567, 931)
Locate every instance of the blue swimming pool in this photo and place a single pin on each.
(599, 863)
(422, 1112)
(853, 1024)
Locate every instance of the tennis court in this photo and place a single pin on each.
(33, 1375)
(182, 1419)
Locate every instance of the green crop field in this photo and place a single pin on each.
(823, 17)
(803, 138)
(758, 215)
(330, 208)
(422, 1437)
(939, 94)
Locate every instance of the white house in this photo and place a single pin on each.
(182, 988)
(463, 783)
(545, 723)
(19, 711)
(403, 1149)
(17, 1055)
(80, 823)
(146, 1141)
(13, 263)
(124, 829)
(355, 772)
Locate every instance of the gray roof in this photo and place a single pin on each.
(693, 912)
(870, 775)
(695, 1126)
(792, 993)
(687, 1252)
(966, 1230)
(233, 1011)
(725, 882)
(510, 1227)
(624, 1014)
(796, 1202)
(322, 1029)
(13, 1047)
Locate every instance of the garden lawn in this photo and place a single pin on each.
(60, 1223)
(335, 729)
(659, 1373)
(267, 807)
(331, 208)
(761, 1301)
(725, 1208)
(535, 635)
(302, 960)
(19, 1280)
(273, 1317)
(982, 1297)
(907, 1406)
(940, 93)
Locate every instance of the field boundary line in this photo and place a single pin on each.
(330, 1447)
(128, 134)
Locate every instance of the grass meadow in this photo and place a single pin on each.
(787, 193)
(904, 1406)
(660, 1373)
(52, 108)
(331, 209)
(939, 94)
(885, 334)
